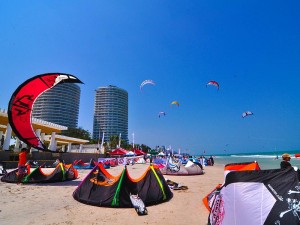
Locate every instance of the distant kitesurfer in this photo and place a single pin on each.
(285, 164)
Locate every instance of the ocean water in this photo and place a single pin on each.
(266, 160)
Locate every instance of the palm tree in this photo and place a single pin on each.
(114, 141)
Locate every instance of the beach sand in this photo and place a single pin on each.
(54, 204)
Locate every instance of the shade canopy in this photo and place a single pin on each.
(138, 151)
(153, 152)
(118, 151)
(130, 153)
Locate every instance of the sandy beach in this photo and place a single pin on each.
(53, 204)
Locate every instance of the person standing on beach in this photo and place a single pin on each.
(212, 162)
(285, 164)
(22, 163)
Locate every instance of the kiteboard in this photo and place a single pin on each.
(138, 205)
(2, 170)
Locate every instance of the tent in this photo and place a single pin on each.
(99, 188)
(118, 151)
(258, 197)
(153, 152)
(174, 166)
(130, 153)
(61, 172)
(161, 154)
(138, 152)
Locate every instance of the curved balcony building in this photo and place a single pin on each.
(110, 113)
(59, 105)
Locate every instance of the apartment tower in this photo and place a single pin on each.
(110, 113)
(59, 105)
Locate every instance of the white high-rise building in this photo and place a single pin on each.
(59, 105)
(110, 113)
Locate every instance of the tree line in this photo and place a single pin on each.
(112, 144)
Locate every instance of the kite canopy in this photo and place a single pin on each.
(175, 167)
(2, 170)
(242, 166)
(258, 197)
(175, 103)
(99, 188)
(146, 82)
(61, 173)
(214, 83)
(160, 114)
(79, 164)
(209, 199)
(247, 113)
(22, 100)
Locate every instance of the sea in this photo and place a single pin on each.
(266, 160)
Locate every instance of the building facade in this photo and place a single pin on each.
(59, 105)
(110, 113)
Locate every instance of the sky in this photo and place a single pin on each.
(251, 48)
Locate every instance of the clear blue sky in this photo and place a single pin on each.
(250, 47)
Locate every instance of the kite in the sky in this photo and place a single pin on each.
(247, 113)
(215, 83)
(161, 113)
(146, 82)
(175, 103)
(21, 104)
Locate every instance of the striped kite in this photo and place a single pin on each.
(146, 82)
(215, 83)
